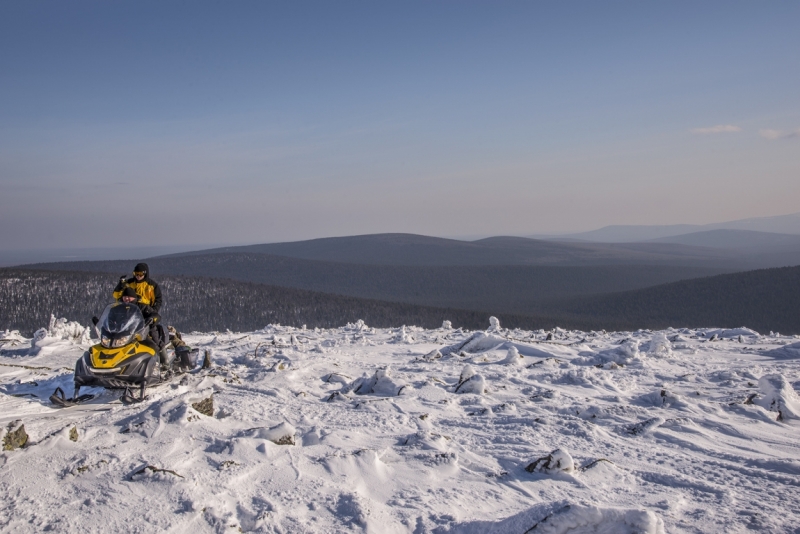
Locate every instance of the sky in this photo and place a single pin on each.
(132, 124)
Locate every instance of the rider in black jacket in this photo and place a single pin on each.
(129, 296)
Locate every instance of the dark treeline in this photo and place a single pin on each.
(512, 289)
(765, 300)
(205, 304)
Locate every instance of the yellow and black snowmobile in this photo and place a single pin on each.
(126, 358)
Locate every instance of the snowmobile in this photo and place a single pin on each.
(126, 358)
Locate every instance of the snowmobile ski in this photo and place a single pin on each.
(129, 398)
(58, 398)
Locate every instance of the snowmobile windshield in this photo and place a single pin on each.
(119, 323)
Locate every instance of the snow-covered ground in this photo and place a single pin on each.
(412, 430)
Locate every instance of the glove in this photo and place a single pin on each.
(123, 279)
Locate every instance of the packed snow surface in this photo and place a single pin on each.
(358, 429)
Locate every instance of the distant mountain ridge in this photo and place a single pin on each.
(411, 249)
(781, 224)
(734, 239)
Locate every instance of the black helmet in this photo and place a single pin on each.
(141, 268)
(129, 292)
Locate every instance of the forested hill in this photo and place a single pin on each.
(514, 289)
(205, 304)
(766, 299)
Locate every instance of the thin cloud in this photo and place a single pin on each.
(778, 134)
(720, 128)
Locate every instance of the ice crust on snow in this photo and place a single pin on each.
(361, 429)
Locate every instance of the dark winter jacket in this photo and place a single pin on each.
(147, 311)
(148, 290)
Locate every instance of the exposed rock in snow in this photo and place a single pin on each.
(205, 406)
(14, 436)
(282, 434)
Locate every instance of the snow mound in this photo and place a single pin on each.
(623, 354)
(477, 342)
(778, 395)
(577, 519)
(787, 351)
(483, 342)
(730, 333)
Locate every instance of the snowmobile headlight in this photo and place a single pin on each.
(106, 341)
(120, 342)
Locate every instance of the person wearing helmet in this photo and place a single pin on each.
(151, 316)
(148, 290)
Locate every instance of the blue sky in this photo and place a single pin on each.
(167, 123)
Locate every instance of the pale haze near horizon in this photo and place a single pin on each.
(149, 124)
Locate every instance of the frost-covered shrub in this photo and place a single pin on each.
(470, 382)
(63, 329)
(475, 384)
(403, 336)
(660, 346)
(778, 395)
(556, 461)
(513, 357)
(381, 383)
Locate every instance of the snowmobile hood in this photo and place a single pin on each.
(109, 358)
